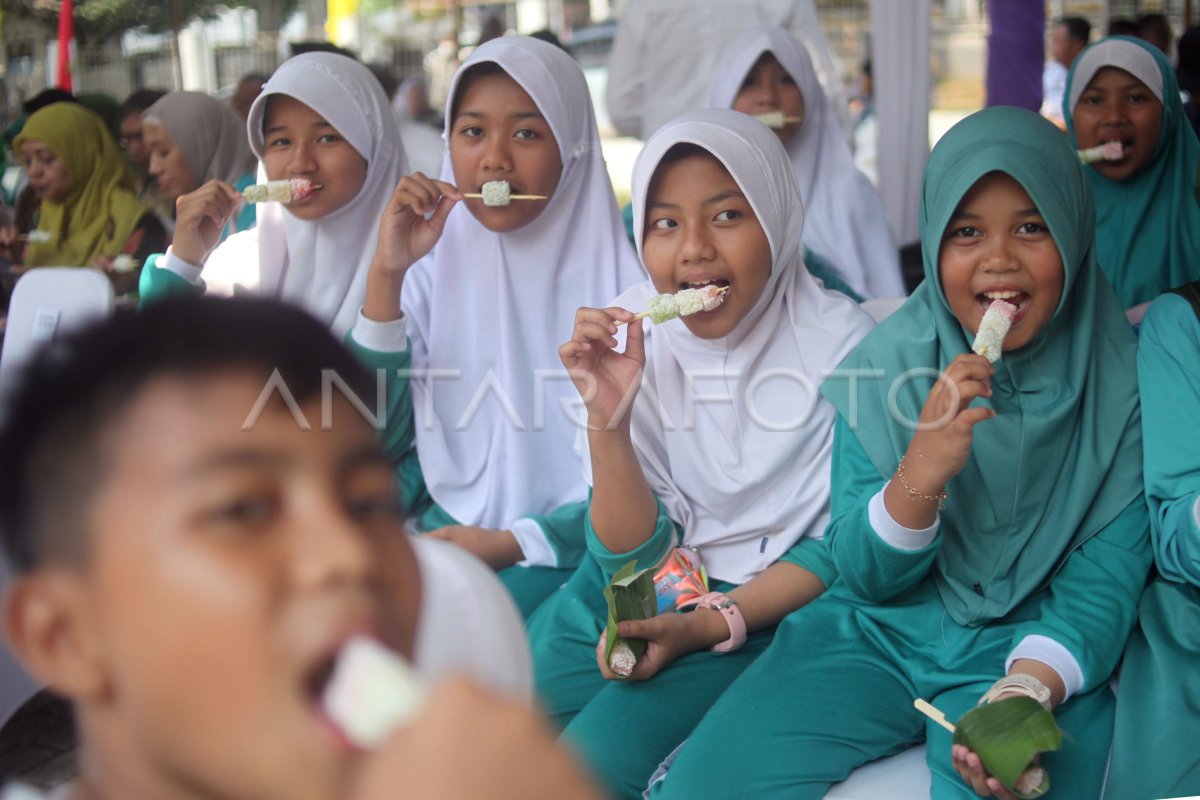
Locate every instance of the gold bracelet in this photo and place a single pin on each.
(939, 498)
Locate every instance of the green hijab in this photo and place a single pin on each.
(1062, 457)
(101, 210)
(1147, 227)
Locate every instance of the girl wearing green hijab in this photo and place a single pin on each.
(1147, 218)
(972, 522)
(1158, 708)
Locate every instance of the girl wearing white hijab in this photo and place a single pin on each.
(844, 224)
(193, 138)
(726, 449)
(323, 117)
(494, 468)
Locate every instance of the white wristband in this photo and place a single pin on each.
(1019, 683)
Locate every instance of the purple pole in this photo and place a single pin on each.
(1016, 53)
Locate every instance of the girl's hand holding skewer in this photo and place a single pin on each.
(411, 225)
(200, 216)
(413, 221)
(606, 380)
(939, 449)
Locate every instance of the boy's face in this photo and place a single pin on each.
(501, 135)
(226, 568)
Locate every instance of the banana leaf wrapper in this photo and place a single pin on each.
(630, 596)
(1006, 735)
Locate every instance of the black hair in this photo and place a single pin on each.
(548, 36)
(469, 76)
(138, 102)
(313, 46)
(1122, 26)
(682, 150)
(63, 405)
(1150, 21)
(1154, 25)
(1078, 28)
(1188, 68)
(387, 80)
(48, 97)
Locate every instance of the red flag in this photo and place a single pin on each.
(66, 32)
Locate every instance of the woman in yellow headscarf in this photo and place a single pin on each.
(90, 213)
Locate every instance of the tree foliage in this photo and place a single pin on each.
(96, 20)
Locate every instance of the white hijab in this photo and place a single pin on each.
(209, 134)
(319, 265)
(846, 226)
(496, 307)
(468, 624)
(749, 476)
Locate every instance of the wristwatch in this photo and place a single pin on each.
(733, 618)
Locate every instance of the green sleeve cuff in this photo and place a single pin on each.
(647, 554)
(814, 556)
(156, 284)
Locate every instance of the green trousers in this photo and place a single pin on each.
(1155, 750)
(622, 730)
(530, 586)
(835, 690)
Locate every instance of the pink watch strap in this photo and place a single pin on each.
(733, 618)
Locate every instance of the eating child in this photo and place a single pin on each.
(193, 138)
(725, 448)
(324, 118)
(190, 557)
(478, 296)
(971, 521)
(1121, 89)
(767, 71)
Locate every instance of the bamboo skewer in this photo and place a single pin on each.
(645, 314)
(931, 712)
(478, 196)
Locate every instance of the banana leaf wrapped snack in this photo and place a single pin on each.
(630, 596)
(1007, 735)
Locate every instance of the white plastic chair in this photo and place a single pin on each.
(881, 307)
(46, 303)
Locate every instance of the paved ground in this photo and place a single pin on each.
(37, 745)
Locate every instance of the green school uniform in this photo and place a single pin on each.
(1148, 226)
(1158, 706)
(745, 492)
(563, 526)
(599, 717)
(1048, 507)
